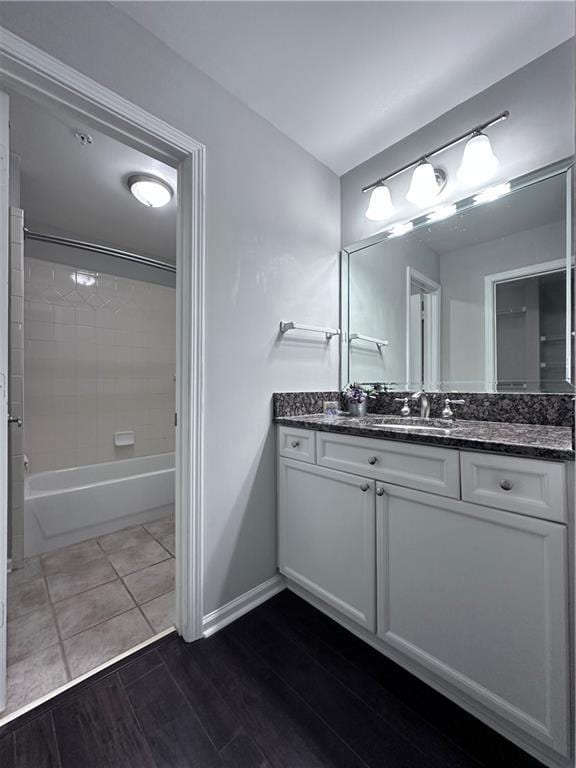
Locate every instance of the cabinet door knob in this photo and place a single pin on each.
(364, 487)
(506, 485)
(380, 492)
(372, 460)
(295, 443)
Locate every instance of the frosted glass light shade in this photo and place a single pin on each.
(380, 205)
(424, 187)
(478, 161)
(152, 192)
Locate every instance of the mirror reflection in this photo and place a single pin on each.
(475, 302)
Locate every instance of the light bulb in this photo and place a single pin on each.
(478, 161)
(380, 205)
(401, 229)
(441, 213)
(152, 192)
(424, 187)
(492, 193)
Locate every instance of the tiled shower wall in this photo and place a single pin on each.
(99, 358)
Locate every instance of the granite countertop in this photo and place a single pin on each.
(539, 442)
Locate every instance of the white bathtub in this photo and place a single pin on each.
(65, 506)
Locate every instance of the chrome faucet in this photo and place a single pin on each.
(424, 403)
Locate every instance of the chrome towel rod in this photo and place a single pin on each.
(379, 342)
(96, 248)
(291, 326)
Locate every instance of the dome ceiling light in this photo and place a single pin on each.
(478, 164)
(150, 191)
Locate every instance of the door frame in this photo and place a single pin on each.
(28, 70)
(432, 334)
(490, 282)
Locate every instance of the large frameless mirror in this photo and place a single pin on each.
(478, 301)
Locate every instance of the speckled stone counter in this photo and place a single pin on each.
(534, 441)
(513, 408)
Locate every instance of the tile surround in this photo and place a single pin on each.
(70, 610)
(99, 356)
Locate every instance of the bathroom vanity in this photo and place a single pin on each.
(445, 549)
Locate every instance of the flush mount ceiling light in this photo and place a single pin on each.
(479, 162)
(380, 205)
(150, 191)
(428, 182)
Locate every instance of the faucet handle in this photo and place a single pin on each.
(448, 413)
(405, 410)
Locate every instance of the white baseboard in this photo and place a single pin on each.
(228, 613)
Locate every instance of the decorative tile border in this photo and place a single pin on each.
(552, 410)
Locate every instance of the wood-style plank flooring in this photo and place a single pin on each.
(282, 687)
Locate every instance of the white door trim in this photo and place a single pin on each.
(490, 281)
(4, 335)
(432, 309)
(31, 71)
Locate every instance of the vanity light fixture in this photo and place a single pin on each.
(479, 162)
(442, 213)
(492, 193)
(380, 205)
(401, 229)
(428, 182)
(149, 190)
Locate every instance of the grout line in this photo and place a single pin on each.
(139, 608)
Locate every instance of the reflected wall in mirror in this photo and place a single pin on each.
(475, 302)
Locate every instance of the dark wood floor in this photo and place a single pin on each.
(283, 687)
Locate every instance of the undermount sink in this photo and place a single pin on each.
(411, 424)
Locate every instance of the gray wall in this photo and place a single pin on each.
(378, 305)
(540, 97)
(273, 229)
(462, 275)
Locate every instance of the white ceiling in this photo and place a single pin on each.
(534, 206)
(345, 80)
(80, 191)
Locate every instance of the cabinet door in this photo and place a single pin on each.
(478, 597)
(327, 537)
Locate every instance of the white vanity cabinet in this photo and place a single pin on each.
(477, 596)
(453, 563)
(327, 537)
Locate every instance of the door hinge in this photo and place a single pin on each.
(175, 419)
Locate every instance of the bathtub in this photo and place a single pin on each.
(66, 506)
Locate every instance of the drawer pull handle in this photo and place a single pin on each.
(364, 487)
(506, 485)
(380, 492)
(372, 460)
(295, 443)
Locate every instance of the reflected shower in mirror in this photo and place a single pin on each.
(475, 302)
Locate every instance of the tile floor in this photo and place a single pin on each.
(73, 609)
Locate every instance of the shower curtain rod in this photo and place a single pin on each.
(104, 249)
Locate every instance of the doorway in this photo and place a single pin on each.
(423, 304)
(27, 70)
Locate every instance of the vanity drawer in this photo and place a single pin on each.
(294, 443)
(423, 467)
(526, 486)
